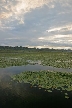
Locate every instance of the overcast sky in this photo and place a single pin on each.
(36, 23)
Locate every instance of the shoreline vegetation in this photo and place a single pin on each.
(17, 56)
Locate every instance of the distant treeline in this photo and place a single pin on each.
(20, 48)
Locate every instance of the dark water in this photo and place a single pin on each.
(22, 95)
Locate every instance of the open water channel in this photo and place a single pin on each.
(23, 95)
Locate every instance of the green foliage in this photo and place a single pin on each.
(55, 59)
(47, 80)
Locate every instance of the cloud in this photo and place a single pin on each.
(9, 28)
(61, 40)
(14, 38)
(42, 23)
(41, 38)
(62, 28)
(17, 8)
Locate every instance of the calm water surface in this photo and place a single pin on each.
(22, 95)
(37, 67)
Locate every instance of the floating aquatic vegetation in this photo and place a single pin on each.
(55, 59)
(50, 81)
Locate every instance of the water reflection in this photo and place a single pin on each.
(23, 95)
(37, 67)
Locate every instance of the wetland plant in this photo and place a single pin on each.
(50, 81)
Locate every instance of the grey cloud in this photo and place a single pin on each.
(31, 24)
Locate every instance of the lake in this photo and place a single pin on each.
(37, 67)
(24, 95)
